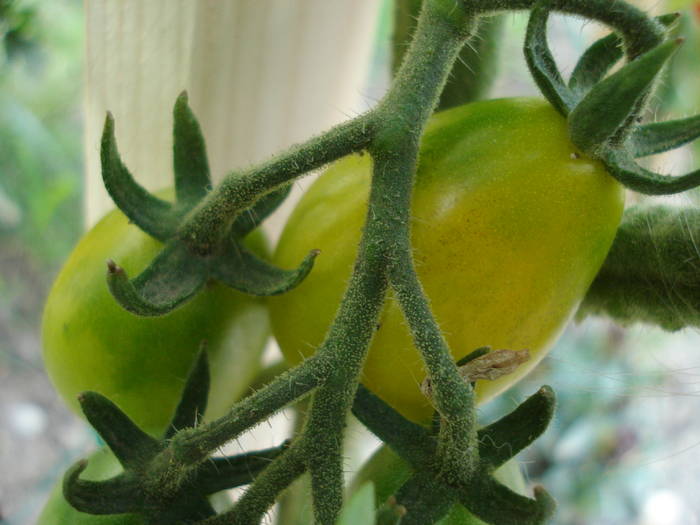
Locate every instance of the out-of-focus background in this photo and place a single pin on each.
(625, 445)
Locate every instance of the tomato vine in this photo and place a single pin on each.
(454, 461)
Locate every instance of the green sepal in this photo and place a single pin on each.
(193, 401)
(222, 473)
(176, 275)
(172, 278)
(607, 112)
(190, 164)
(151, 485)
(131, 445)
(409, 440)
(246, 272)
(426, 498)
(600, 57)
(622, 166)
(541, 63)
(496, 504)
(503, 439)
(658, 137)
(595, 63)
(251, 218)
(153, 215)
(112, 496)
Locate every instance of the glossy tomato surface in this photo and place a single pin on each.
(510, 224)
(91, 343)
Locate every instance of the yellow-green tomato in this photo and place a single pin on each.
(141, 363)
(510, 224)
(101, 465)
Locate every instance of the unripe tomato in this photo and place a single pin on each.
(510, 224)
(92, 343)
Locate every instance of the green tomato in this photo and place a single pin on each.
(510, 224)
(101, 465)
(91, 343)
(388, 472)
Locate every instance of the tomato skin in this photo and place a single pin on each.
(57, 511)
(510, 225)
(91, 343)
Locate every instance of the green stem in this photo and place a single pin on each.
(406, 109)
(191, 446)
(252, 506)
(640, 32)
(211, 219)
(433, 51)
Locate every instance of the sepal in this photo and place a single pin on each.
(113, 496)
(242, 270)
(222, 473)
(151, 485)
(623, 167)
(503, 439)
(172, 278)
(153, 215)
(429, 494)
(193, 402)
(541, 63)
(601, 56)
(190, 164)
(609, 110)
(658, 137)
(178, 273)
(131, 445)
(595, 63)
(496, 504)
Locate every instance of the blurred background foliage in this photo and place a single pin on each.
(625, 447)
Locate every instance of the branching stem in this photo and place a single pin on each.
(391, 134)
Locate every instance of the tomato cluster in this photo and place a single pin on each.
(510, 225)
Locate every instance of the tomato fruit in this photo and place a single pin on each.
(387, 472)
(510, 224)
(101, 465)
(91, 343)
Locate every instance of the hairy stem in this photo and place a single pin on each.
(211, 219)
(640, 32)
